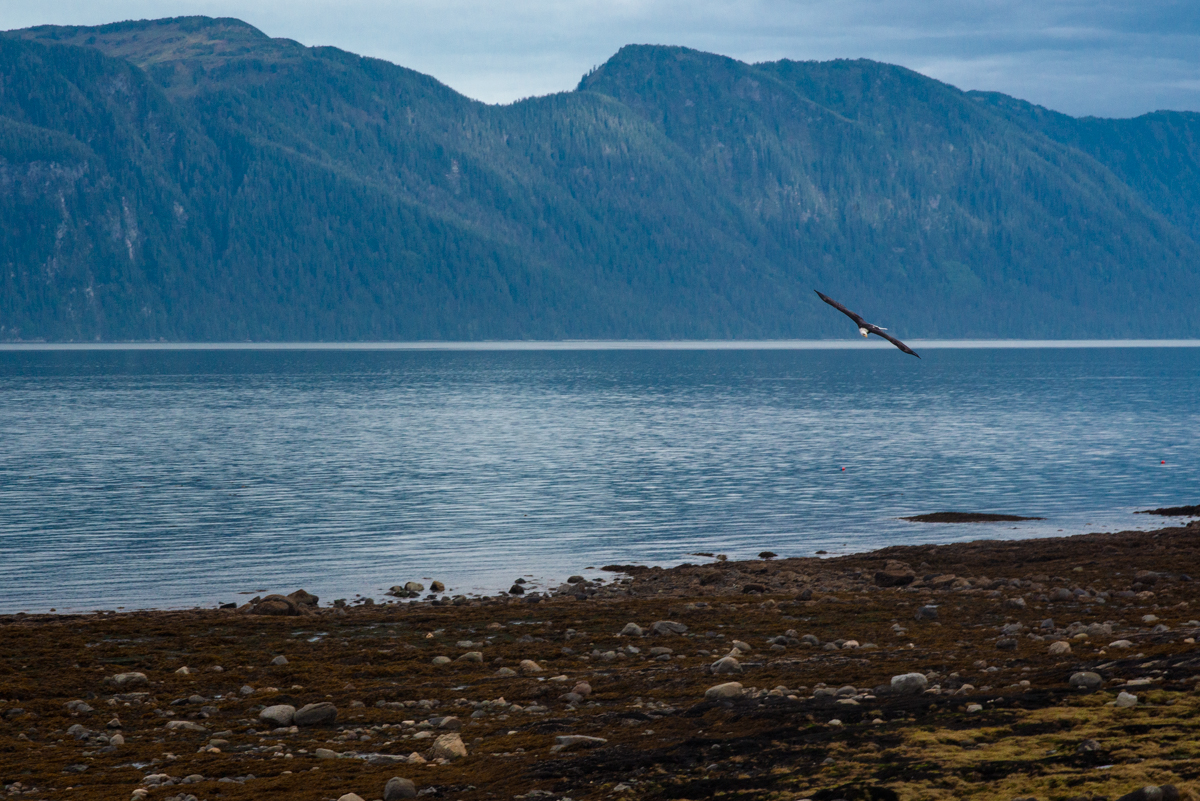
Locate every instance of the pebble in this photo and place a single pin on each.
(1059, 648)
(744, 647)
(398, 787)
(1086, 680)
(633, 630)
(325, 753)
(909, 684)
(320, 714)
(567, 742)
(471, 656)
(974, 708)
(278, 715)
(1125, 700)
(127, 680)
(1120, 644)
(503, 672)
(445, 660)
(184, 671)
(448, 746)
(667, 627)
(385, 760)
(726, 664)
(279, 660)
(529, 666)
(723, 692)
(184, 725)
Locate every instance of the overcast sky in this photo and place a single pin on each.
(1098, 57)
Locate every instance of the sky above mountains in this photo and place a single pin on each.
(1082, 57)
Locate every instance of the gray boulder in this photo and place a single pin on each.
(895, 574)
(278, 715)
(397, 788)
(1086, 680)
(1165, 792)
(567, 742)
(127, 680)
(667, 627)
(726, 664)
(909, 684)
(723, 692)
(322, 714)
(926, 613)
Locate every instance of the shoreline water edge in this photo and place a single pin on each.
(1059, 668)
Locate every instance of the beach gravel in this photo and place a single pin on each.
(965, 719)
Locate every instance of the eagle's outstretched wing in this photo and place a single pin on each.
(874, 329)
(858, 320)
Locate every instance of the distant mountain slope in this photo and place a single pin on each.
(194, 179)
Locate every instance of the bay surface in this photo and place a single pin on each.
(169, 478)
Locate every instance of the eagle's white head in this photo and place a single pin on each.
(864, 332)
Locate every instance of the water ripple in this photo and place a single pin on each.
(169, 478)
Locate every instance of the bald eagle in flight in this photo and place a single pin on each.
(866, 328)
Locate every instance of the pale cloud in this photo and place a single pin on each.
(1098, 57)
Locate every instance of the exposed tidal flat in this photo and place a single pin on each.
(161, 476)
(1055, 668)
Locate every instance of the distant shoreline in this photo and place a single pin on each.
(607, 344)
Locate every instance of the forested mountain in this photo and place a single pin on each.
(194, 179)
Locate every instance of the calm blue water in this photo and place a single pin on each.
(172, 478)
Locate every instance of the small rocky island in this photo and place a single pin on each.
(1044, 669)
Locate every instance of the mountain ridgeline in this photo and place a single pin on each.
(194, 179)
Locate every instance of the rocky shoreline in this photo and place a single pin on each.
(1061, 668)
